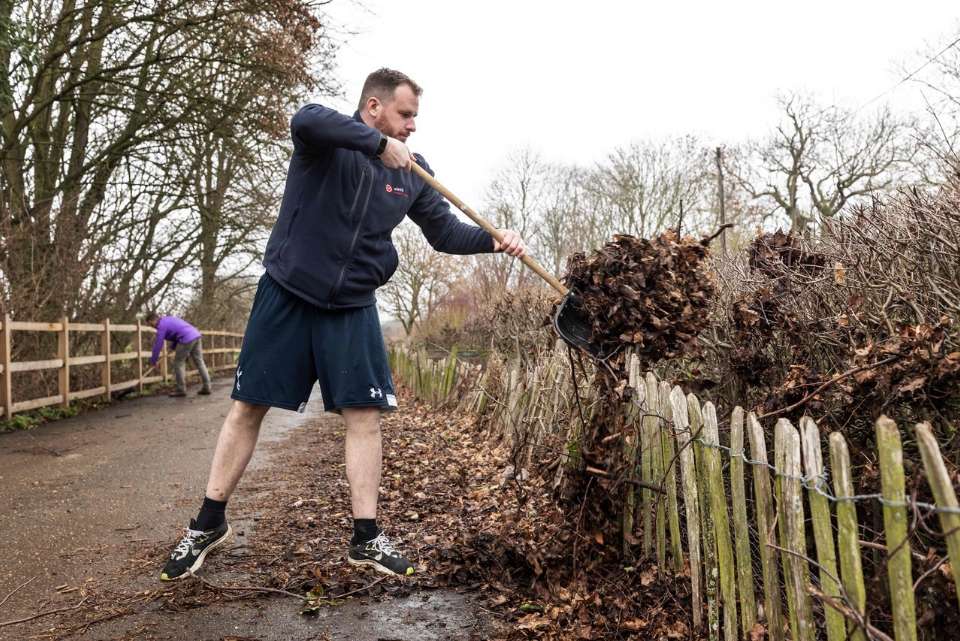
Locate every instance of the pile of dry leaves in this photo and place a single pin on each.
(651, 295)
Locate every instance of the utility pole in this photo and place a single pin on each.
(723, 207)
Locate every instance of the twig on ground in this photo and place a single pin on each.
(361, 589)
(43, 614)
(16, 589)
(246, 588)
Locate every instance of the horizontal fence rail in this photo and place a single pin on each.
(791, 557)
(220, 350)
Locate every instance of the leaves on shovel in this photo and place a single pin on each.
(651, 295)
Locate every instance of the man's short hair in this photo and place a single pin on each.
(151, 316)
(382, 83)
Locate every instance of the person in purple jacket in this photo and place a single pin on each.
(185, 340)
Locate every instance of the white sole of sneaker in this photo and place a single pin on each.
(223, 540)
(366, 563)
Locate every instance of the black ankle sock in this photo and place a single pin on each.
(364, 530)
(212, 514)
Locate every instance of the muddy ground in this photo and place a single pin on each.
(90, 505)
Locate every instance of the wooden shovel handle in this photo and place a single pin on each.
(526, 259)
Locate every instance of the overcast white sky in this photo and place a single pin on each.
(575, 79)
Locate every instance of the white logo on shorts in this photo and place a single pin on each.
(376, 392)
(239, 374)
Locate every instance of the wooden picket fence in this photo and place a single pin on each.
(220, 350)
(441, 382)
(691, 513)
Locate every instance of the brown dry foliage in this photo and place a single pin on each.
(859, 322)
(650, 295)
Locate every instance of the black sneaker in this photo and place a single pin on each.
(204, 392)
(192, 549)
(379, 555)
(177, 394)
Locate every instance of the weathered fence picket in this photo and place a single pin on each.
(741, 533)
(944, 495)
(709, 544)
(848, 536)
(895, 528)
(691, 502)
(656, 466)
(822, 530)
(630, 439)
(721, 521)
(648, 426)
(670, 478)
(769, 558)
(790, 518)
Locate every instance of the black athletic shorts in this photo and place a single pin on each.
(290, 344)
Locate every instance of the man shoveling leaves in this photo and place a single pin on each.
(314, 318)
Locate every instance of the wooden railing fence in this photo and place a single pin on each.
(220, 349)
(744, 556)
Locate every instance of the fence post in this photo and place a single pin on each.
(895, 527)
(139, 356)
(822, 530)
(741, 533)
(848, 537)
(944, 495)
(64, 350)
(6, 356)
(670, 472)
(721, 521)
(707, 533)
(655, 445)
(630, 440)
(213, 346)
(105, 344)
(790, 515)
(690, 501)
(763, 493)
(650, 406)
(164, 367)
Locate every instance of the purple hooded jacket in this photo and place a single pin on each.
(173, 329)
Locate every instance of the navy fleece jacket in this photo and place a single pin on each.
(331, 243)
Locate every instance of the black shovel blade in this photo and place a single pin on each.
(572, 325)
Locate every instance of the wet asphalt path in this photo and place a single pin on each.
(76, 493)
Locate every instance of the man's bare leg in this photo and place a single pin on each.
(364, 455)
(364, 452)
(235, 445)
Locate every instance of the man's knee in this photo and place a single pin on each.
(247, 414)
(362, 421)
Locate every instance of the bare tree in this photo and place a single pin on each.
(821, 158)
(98, 104)
(422, 277)
(938, 136)
(516, 199)
(640, 187)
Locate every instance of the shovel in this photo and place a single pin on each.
(569, 321)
